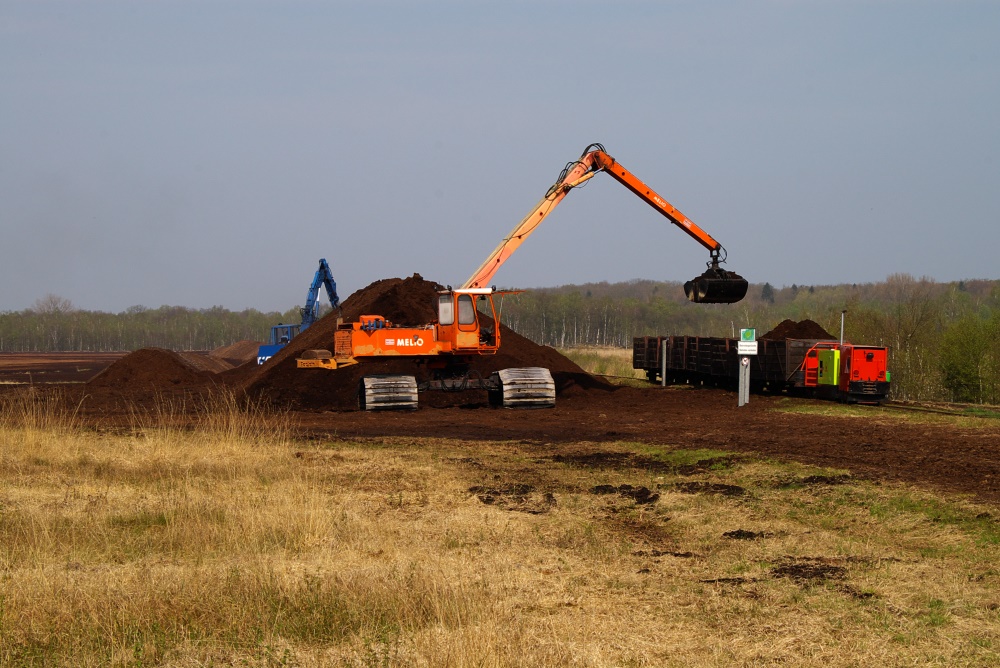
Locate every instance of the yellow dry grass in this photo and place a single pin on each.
(604, 361)
(236, 544)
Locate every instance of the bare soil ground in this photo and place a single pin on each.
(878, 443)
(944, 453)
(872, 443)
(75, 367)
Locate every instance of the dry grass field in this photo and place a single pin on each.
(238, 542)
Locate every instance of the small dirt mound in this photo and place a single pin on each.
(817, 480)
(743, 534)
(663, 553)
(200, 361)
(804, 329)
(709, 488)
(518, 497)
(640, 495)
(237, 353)
(806, 572)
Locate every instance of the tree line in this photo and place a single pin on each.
(944, 338)
(54, 324)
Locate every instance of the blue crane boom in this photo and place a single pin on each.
(323, 278)
(281, 334)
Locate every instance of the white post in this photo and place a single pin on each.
(842, 313)
(744, 389)
(745, 348)
(663, 363)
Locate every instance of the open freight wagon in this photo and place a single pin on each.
(820, 368)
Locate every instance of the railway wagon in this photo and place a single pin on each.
(820, 368)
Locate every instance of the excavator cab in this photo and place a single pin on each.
(458, 320)
(716, 285)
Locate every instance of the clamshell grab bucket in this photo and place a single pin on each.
(716, 286)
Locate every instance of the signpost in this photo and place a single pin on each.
(745, 347)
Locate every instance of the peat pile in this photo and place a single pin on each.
(237, 353)
(404, 302)
(150, 368)
(144, 376)
(804, 329)
(204, 361)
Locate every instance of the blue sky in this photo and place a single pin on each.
(208, 153)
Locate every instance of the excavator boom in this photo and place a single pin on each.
(716, 285)
(322, 278)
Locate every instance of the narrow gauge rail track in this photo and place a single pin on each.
(960, 410)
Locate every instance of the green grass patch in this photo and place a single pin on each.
(979, 525)
(982, 412)
(139, 521)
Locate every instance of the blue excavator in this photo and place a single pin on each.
(281, 334)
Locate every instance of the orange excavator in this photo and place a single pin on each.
(715, 286)
(449, 344)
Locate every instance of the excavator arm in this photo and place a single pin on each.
(322, 278)
(716, 285)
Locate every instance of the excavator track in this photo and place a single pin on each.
(379, 393)
(525, 387)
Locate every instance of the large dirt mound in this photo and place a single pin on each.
(804, 329)
(405, 302)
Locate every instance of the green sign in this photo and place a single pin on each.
(748, 335)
